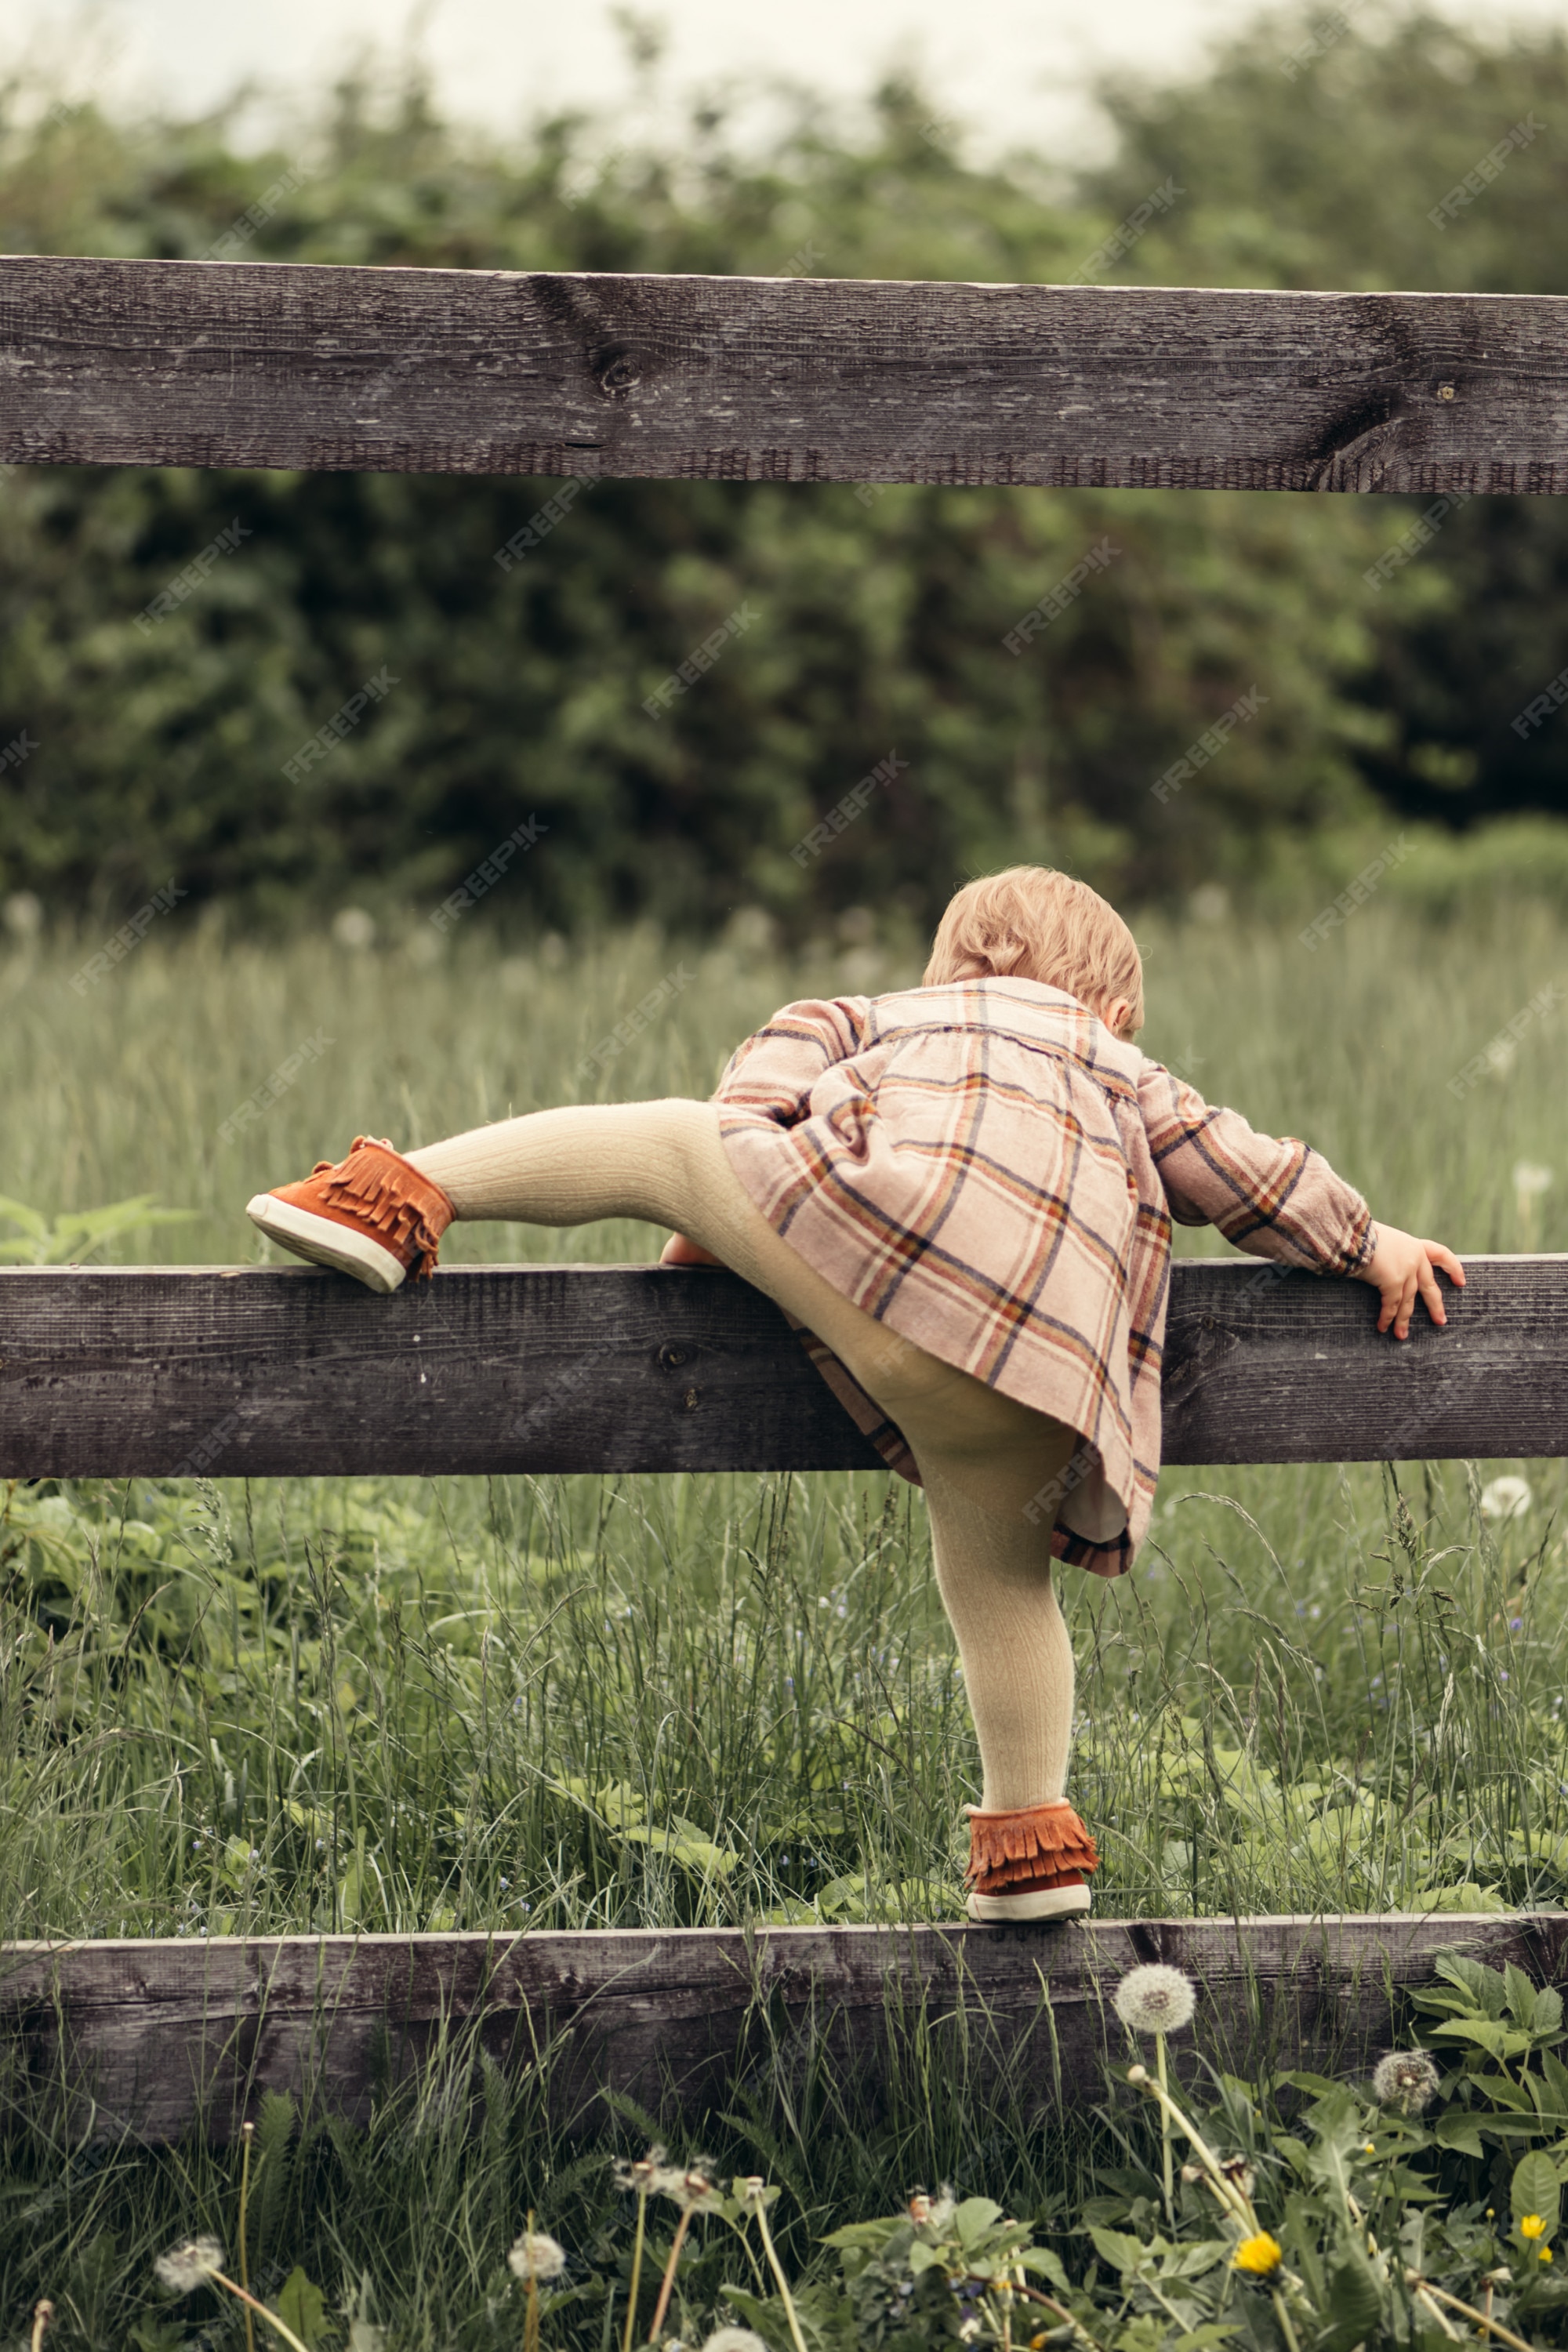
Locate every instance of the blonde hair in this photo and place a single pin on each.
(1030, 922)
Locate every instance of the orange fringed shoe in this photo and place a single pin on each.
(374, 1215)
(1031, 1865)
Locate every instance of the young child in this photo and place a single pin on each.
(961, 1196)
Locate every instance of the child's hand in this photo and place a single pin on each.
(679, 1251)
(1399, 1267)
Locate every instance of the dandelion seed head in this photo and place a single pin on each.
(641, 2173)
(184, 2266)
(535, 2256)
(1506, 1498)
(1155, 1999)
(1405, 2079)
(689, 2187)
(734, 2339)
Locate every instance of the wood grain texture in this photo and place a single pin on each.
(271, 1371)
(153, 2037)
(490, 372)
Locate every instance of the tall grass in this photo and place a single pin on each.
(402, 1703)
(405, 1704)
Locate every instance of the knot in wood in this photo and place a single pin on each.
(618, 374)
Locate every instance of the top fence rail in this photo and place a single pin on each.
(116, 362)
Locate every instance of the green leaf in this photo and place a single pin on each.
(303, 2307)
(1047, 2264)
(1114, 2246)
(1546, 2011)
(767, 2318)
(974, 2218)
(1355, 2306)
(873, 2234)
(1318, 2084)
(1485, 1986)
(1520, 1993)
(1459, 2131)
(16, 1212)
(1535, 2188)
(923, 2257)
(1194, 2259)
(1499, 2040)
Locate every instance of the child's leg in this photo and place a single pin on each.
(983, 1455)
(995, 1576)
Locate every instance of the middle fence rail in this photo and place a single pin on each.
(269, 1371)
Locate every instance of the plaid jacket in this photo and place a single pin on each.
(987, 1169)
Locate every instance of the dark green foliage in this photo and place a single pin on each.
(160, 750)
(1321, 172)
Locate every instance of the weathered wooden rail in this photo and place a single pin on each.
(494, 371)
(154, 2038)
(262, 1371)
(267, 1371)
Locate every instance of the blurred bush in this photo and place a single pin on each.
(157, 750)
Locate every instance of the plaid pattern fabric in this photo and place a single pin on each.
(987, 1169)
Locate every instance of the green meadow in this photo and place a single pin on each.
(522, 1703)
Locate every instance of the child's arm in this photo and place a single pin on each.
(773, 1073)
(1280, 1199)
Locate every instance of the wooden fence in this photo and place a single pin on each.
(265, 1371)
(746, 379)
(152, 2038)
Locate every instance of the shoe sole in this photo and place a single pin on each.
(326, 1242)
(1044, 1903)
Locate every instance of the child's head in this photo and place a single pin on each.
(1032, 923)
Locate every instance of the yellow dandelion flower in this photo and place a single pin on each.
(1543, 2254)
(1368, 2148)
(1259, 2255)
(1530, 2225)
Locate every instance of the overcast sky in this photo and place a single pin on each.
(1012, 71)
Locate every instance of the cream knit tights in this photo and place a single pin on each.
(982, 1455)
